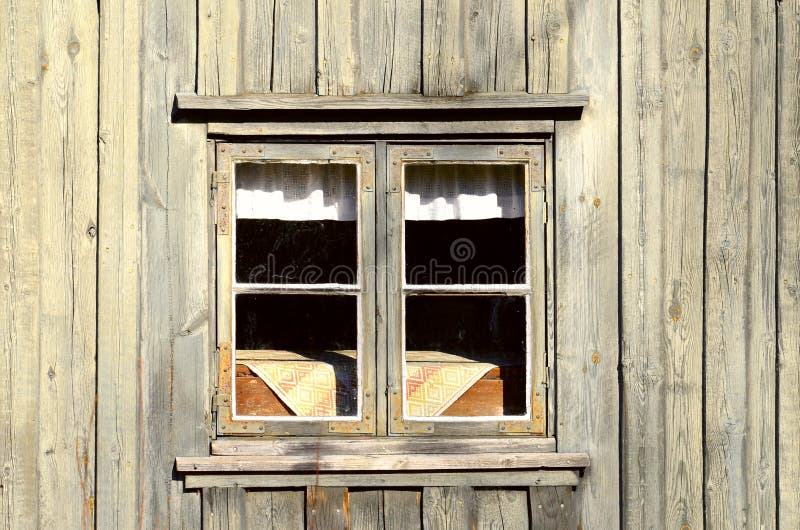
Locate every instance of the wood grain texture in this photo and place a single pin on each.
(552, 509)
(587, 287)
(740, 267)
(663, 168)
(501, 509)
(443, 47)
(449, 508)
(327, 508)
(788, 261)
(368, 47)
(494, 46)
(548, 39)
(402, 509)
(366, 509)
(118, 267)
(223, 509)
(20, 93)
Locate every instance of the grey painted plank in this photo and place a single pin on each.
(663, 167)
(345, 446)
(67, 208)
(495, 43)
(740, 267)
(327, 508)
(402, 509)
(587, 342)
(501, 509)
(366, 509)
(568, 477)
(553, 509)
(449, 508)
(443, 47)
(119, 236)
(501, 100)
(20, 95)
(789, 261)
(385, 462)
(548, 40)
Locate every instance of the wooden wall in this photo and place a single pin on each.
(677, 231)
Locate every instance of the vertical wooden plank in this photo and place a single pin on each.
(740, 267)
(224, 509)
(368, 47)
(118, 266)
(495, 46)
(20, 93)
(587, 342)
(789, 261)
(255, 45)
(366, 509)
(294, 69)
(218, 47)
(443, 47)
(402, 509)
(67, 211)
(548, 35)
(448, 508)
(551, 508)
(288, 509)
(258, 508)
(327, 508)
(501, 509)
(663, 167)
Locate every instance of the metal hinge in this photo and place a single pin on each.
(548, 376)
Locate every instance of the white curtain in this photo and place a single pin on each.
(296, 192)
(449, 191)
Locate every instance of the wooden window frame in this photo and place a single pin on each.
(532, 157)
(363, 157)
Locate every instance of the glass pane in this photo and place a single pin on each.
(296, 355)
(465, 355)
(464, 224)
(296, 223)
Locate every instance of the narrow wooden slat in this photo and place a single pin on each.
(258, 508)
(327, 508)
(288, 509)
(502, 509)
(548, 34)
(223, 509)
(663, 165)
(495, 44)
(587, 287)
(385, 462)
(381, 128)
(366, 509)
(294, 69)
(503, 100)
(443, 47)
(448, 508)
(255, 51)
(740, 267)
(568, 477)
(552, 508)
(20, 294)
(788, 261)
(218, 50)
(402, 509)
(118, 266)
(345, 446)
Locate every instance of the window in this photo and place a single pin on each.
(298, 281)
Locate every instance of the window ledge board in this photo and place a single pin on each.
(381, 462)
(396, 479)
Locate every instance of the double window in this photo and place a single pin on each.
(361, 294)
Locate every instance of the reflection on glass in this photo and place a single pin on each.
(465, 355)
(296, 223)
(464, 224)
(296, 355)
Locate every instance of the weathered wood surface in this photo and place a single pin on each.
(501, 509)
(548, 34)
(551, 509)
(381, 462)
(297, 102)
(327, 508)
(740, 267)
(402, 509)
(562, 477)
(450, 508)
(350, 446)
(663, 170)
(587, 283)
(788, 284)
(48, 253)
(494, 46)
